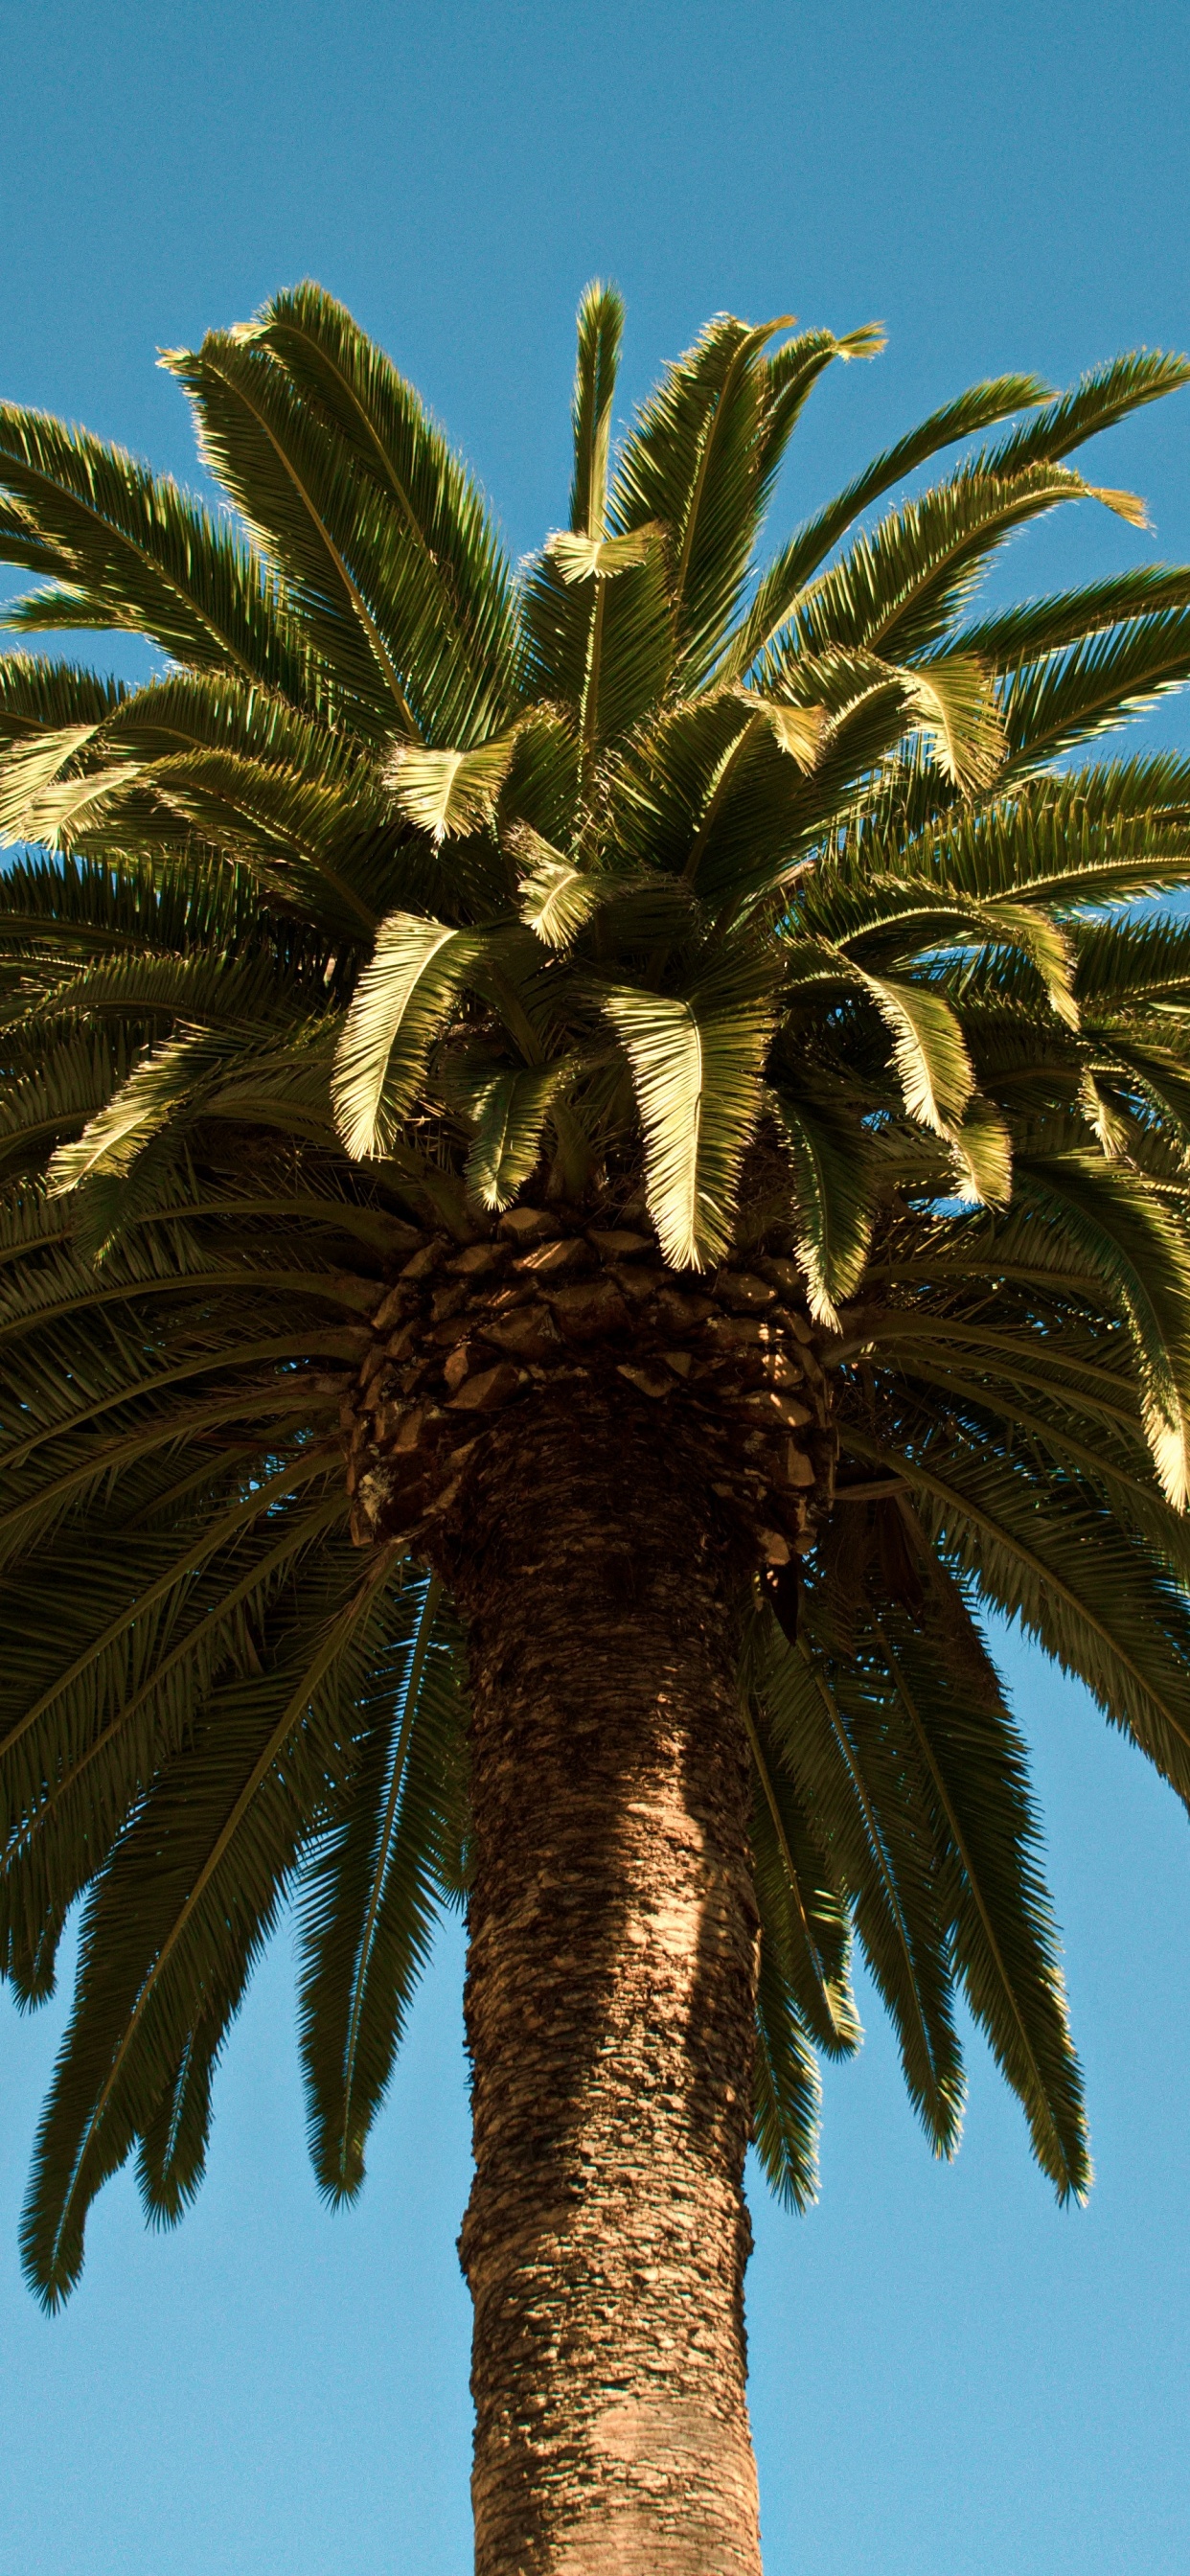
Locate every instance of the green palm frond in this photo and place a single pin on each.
(696, 1069)
(600, 330)
(689, 465)
(782, 584)
(787, 2094)
(368, 1896)
(39, 697)
(1130, 1241)
(508, 1130)
(128, 550)
(1104, 1606)
(1124, 965)
(834, 1176)
(856, 1796)
(1074, 842)
(1041, 626)
(231, 1814)
(895, 592)
(402, 1000)
(1055, 706)
(1102, 397)
(454, 792)
(803, 1921)
(1004, 1941)
(448, 590)
(789, 375)
(308, 506)
(99, 1710)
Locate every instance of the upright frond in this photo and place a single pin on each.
(600, 330)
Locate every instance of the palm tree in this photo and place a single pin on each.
(594, 1163)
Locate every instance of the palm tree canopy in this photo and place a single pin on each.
(761, 907)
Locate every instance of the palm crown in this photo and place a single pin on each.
(643, 889)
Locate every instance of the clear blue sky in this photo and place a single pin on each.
(950, 2377)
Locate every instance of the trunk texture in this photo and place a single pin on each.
(613, 1937)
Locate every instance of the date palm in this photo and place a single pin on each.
(594, 1166)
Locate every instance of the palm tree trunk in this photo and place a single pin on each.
(610, 1984)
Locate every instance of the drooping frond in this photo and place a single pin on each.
(860, 1809)
(368, 1894)
(402, 1000)
(696, 1070)
(231, 1813)
(1004, 1945)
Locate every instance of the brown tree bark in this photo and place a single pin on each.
(610, 1986)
